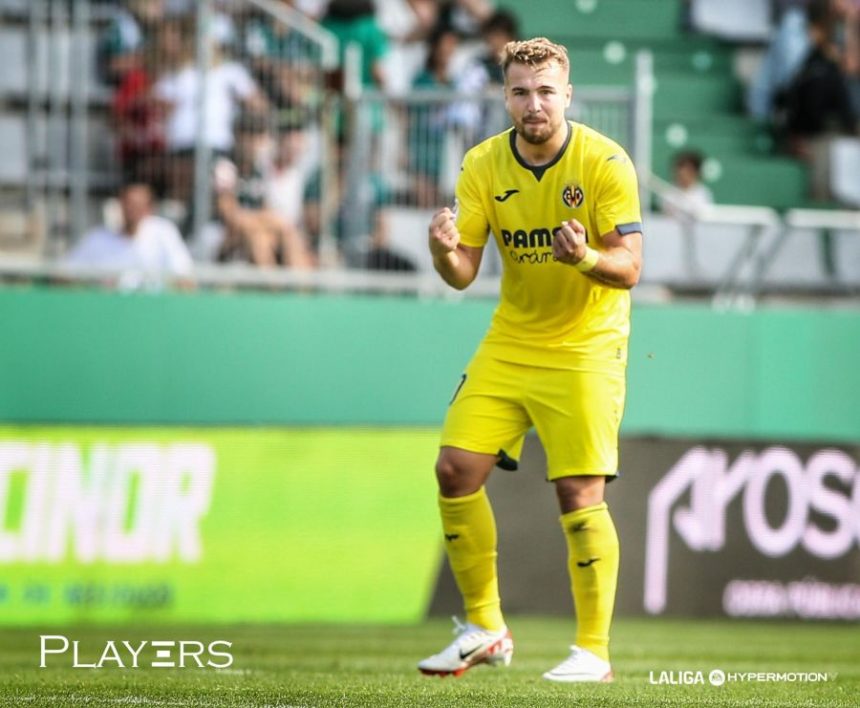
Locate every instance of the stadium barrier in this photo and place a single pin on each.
(738, 253)
(283, 439)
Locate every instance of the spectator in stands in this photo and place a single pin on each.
(419, 20)
(121, 45)
(287, 179)
(139, 122)
(485, 71)
(464, 17)
(254, 230)
(816, 104)
(497, 30)
(690, 193)
(141, 248)
(478, 121)
(230, 87)
(354, 22)
(782, 60)
(429, 123)
(284, 61)
(850, 13)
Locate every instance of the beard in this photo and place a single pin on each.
(536, 133)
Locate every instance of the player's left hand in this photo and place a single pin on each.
(570, 242)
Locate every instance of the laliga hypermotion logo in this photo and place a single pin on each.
(169, 654)
(713, 485)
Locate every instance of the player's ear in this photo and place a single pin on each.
(568, 95)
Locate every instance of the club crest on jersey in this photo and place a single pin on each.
(573, 196)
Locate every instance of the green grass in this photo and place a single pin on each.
(375, 666)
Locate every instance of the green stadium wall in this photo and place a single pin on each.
(224, 457)
(204, 358)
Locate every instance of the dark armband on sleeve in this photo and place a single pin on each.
(631, 228)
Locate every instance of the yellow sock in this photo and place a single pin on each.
(470, 540)
(592, 546)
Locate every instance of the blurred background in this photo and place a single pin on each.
(225, 354)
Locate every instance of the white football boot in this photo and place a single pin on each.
(474, 645)
(581, 665)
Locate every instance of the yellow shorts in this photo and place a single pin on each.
(576, 414)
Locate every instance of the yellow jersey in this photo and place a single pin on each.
(549, 313)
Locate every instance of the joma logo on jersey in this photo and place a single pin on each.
(536, 238)
(573, 196)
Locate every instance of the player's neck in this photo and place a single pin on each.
(537, 155)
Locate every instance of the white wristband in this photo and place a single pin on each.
(589, 260)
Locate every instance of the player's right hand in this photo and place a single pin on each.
(443, 233)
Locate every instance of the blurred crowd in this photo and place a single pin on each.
(264, 112)
(276, 147)
(807, 89)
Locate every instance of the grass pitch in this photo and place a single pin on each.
(375, 666)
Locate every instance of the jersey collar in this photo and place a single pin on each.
(538, 170)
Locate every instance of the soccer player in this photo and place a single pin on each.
(562, 203)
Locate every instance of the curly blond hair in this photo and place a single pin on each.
(534, 52)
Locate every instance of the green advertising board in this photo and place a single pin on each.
(219, 524)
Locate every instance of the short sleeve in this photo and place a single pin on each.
(242, 81)
(165, 89)
(472, 220)
(618, 196)
(225, 176)
(85, 252)
(178, 259)
(377, 45)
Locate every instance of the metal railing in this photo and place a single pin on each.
(749, 241)
(95, 96)
(403, 155)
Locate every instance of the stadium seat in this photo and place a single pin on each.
(13, 148)
(13, 58)
(734, 20)
(612, 61)
(713, 138)
(744, 178)
(101, 143)
(52, 71)
(407, 228)
(681, 94)
(621, 19)
(845, 170)
(14, 7)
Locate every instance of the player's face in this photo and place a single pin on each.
(536, 99)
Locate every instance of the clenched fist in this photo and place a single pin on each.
(569, 244)
(443, 233)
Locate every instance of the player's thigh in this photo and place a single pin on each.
(487, 414)
(577, 415)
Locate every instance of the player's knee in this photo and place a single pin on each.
(453, 477)
(446, 475)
